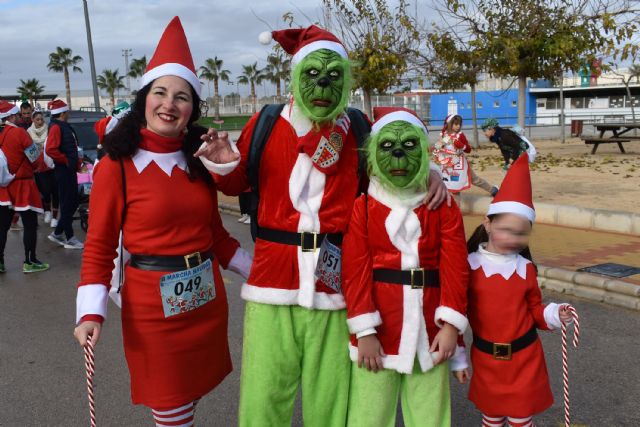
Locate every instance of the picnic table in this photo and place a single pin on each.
(619, 135)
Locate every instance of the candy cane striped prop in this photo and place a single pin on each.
(565, 365)
(89, 363)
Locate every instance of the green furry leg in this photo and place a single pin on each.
(424, 396)
(285, 346)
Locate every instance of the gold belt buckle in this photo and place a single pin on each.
(501, 351)
(413, 272)
(315, 241)
(188, 258)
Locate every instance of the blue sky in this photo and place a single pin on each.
(31, 29)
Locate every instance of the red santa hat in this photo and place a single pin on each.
(515, 192)
(57, 106)
(300, 42)
(172, 58)
(8, 109)
(384, 115)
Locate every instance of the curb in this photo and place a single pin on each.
(590, 286)
(567, 216)
(584, 285)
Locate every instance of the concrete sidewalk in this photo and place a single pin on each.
(560, 250)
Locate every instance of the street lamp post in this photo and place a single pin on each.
(96, 97)
(126, 53)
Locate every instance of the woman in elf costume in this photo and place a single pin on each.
(405, 284)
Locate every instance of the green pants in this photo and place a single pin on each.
(424, 397)
(285, 346)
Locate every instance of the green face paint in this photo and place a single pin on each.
(398, 156)
(321, 85)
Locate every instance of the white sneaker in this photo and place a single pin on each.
(248, 220)
(243, 218)
(54, 223)
(47, 217)
(57, 238)
(74, 243)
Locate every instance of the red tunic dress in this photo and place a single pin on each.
(500, 311)
(22, 193)
(174, 360)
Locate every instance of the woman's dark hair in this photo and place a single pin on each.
(124, 139)
(480, 235)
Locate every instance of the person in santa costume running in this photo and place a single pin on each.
(295, 327)
(405, 283)
(174, 307)
(510, 382)
(20, 158)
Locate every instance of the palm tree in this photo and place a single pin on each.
(110, 81)
(252, 75)
(60, 61)
(30, 89)
(137, 67)
(212, 71)
(277, 70)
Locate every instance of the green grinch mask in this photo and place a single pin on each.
(321, 84)
(398, 156)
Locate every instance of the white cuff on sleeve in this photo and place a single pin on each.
(449, 315)
(241, 263)
(221, 169)
(363, 322)
(366, 332)
(459, 360)
(91, 299)
(552, 315)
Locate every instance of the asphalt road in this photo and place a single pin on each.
(42, 369)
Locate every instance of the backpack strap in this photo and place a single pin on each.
(124, 215)
(261, 132)
(361, 130)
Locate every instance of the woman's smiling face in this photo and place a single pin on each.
(168, 106)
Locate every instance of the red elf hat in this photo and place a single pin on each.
(384, 115)
(172, 58)
(300, 42)
(8, 109)
(515, 192)
(57, 106)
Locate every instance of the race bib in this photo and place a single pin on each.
(187, 290)
(32, 152)
(329, 267)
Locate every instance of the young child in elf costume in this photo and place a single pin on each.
(511, 144)
(510, 382)
(449, 152)
(405, 283)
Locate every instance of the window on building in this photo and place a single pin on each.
(577, 103)
(616, 101)
(496, 104)
(479, 104)
(636, 101)
(461, 106)
(553, 103)
(514, 103)
(541, 103)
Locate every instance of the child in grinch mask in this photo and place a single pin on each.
(405, 284)
(295, 326)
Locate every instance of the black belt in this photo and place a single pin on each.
(169, 262)
(503, 351)
(417, 278)
(308, 241)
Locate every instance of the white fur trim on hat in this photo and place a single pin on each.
(514, 208)
(394, 117)
(320, 44)
(265, 37)
(59, 110)
(172, 69)
(14, 110)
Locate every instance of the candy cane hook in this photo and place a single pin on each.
(89, 363)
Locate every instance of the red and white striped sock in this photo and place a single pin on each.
(488, 421)
(176, 417)
(521, 422)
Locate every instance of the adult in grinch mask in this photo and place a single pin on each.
(295, 326)
(405, 284)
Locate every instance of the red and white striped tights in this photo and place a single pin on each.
(175, 417)
(493, 421)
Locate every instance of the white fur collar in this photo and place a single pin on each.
(165, 161)
(394, 200)
(493, 263)
(296, 118)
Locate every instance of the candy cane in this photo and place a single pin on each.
(565, 365)
(89, 363)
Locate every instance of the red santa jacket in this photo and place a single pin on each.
(294, 197)
(401, 233)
